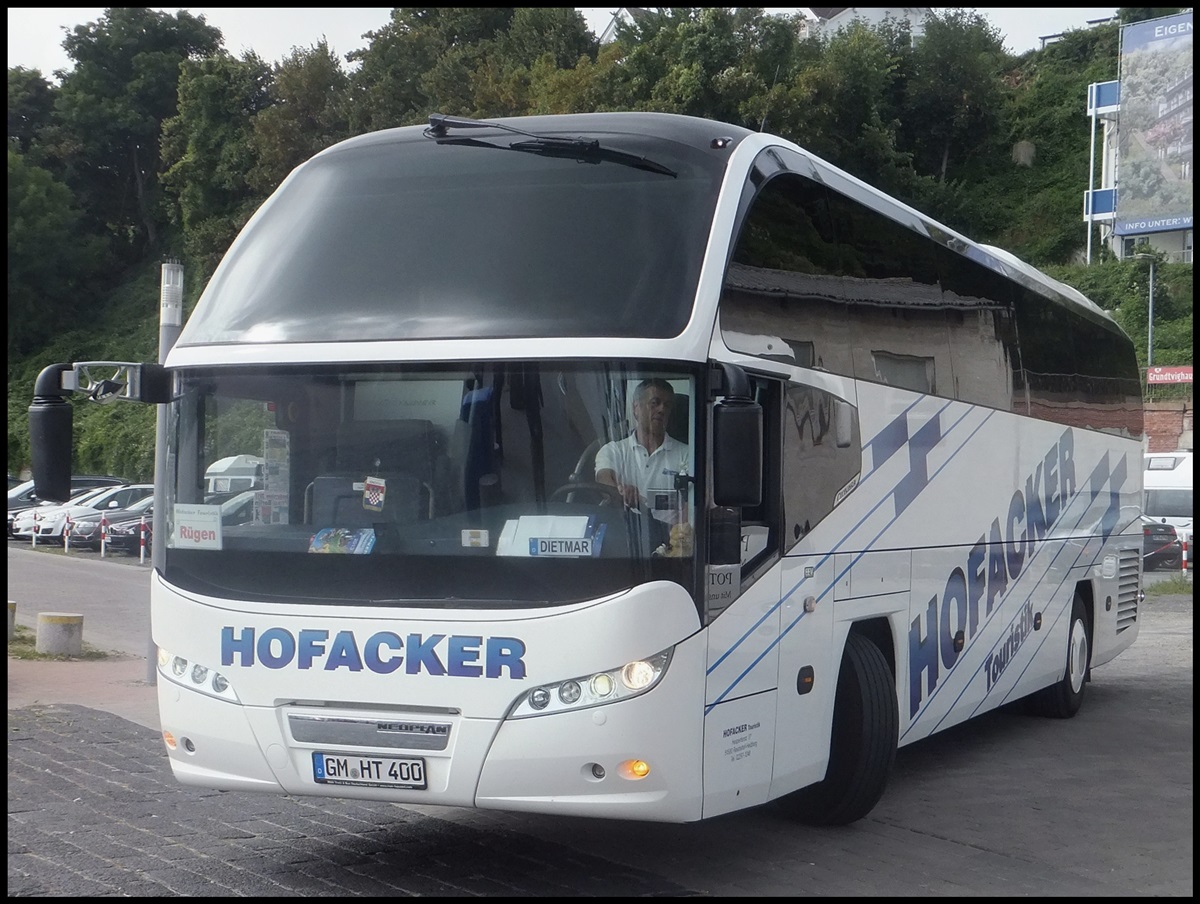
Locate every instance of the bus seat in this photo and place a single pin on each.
(402, 445)
(337, 501)
(412, 447)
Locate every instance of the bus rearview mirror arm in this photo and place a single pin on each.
(51, 416)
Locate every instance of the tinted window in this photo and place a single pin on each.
(1169, 503)
(783, 298)
(822, 457)
(829, 274)
(1075, 370)
(985, 360)
(403, 237)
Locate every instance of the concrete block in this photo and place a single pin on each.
(60, 633)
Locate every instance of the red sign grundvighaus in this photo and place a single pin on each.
(1169, 374)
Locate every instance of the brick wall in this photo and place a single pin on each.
(1167, 423)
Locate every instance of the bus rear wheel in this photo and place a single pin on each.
(1063, 699)
(863, 743)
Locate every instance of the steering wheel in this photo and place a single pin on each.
(597, 493)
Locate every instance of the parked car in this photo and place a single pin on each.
(1168, 485)
(237, 509)
(44, 505)
(23, 495)
(50, 521)
(1161, 547)
(85, 529)
(21, 522)
(125, 535)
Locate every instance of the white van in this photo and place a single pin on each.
(1168, 485)
(233, 474)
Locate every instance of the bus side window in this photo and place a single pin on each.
(822, 454)
(760, 524)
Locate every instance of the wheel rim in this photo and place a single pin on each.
(1077, 655)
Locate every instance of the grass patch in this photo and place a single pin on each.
(1172, 585)
(23, 645)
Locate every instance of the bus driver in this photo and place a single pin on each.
(643, 465)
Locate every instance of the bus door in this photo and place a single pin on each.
(743, 615)
(821, 466)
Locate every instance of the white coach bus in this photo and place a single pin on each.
(887, 478)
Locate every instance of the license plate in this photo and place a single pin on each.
(373, 771)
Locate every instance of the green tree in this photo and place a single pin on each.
(208, 152)
(50, 259)
(954, 97)
(841, 107)
(587, 88)
(306, 113)
(1034, 209)
(111, 107)
(30, 105)
(510, 68)
(419, 64)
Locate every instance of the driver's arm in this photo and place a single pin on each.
(629, 492)
(607, 475)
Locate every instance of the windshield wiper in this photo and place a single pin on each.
(585, 150)
(440, 124)
(589, 152)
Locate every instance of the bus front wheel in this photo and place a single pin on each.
(862, 745)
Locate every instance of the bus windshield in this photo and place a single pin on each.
(467, 485)
(400, 236)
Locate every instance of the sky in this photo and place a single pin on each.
(35, 35)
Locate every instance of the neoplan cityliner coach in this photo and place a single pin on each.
(884, 478)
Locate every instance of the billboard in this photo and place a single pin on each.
(1154, 157)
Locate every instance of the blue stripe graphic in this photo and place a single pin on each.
(882, 446)
(1099, 478)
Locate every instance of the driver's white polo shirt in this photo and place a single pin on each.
(653, 473)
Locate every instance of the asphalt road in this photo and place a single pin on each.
(1099, 805)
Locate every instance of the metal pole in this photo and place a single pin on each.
(1150, 315)
(170, 325)
(1153, 259)
(1091, 211)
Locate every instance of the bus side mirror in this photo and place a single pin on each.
(50, 426)
(737, 452)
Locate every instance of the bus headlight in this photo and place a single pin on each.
(582, 692)
(195, 676)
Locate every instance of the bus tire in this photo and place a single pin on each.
(862, 745)
(1063, 699)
